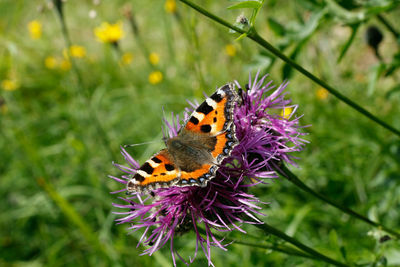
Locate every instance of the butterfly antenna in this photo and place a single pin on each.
(139, 144)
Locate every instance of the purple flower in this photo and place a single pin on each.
(266, 138)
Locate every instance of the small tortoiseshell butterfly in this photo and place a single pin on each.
(193, 157)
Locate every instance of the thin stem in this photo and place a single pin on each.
(286, 173)
(395, 33)
(136, 33)
(275, 247)
(252, 34)
(273, 231)
(103, 135)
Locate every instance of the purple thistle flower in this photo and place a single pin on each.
(265, 139)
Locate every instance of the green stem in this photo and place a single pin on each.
(286, 173)
(394, 32)
(136, 33)
(317, 255)
(282, 249)
(274, 247)
(252, 34)
(103, 135)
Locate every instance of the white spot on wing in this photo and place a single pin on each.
(153, 164)
(171, 172)
(143, 173)
(221, 92)
(211, 103)
(134, 181)
(199, 116)
(213, 128)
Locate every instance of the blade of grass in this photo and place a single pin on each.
(81, 87)
(75, 218)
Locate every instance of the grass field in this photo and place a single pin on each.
(65, 110)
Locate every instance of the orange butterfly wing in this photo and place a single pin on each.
(159, 171)
(212, 121)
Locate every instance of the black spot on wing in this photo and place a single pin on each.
(215, 119)
(169, 167)
(156, 160)
(204, 108)
(147, 168)
(206, 128)
(194, 120)
(217, 97)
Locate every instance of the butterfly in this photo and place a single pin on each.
(193, 157)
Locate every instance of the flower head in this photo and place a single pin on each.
(77, 51)
(35, 29)
(126, 58)
(65, 64)
(322, 93)
(109, 33)
(154, 58)
(230, 50)
(50, 62)
(9, 84)
(155, 77)
(265, 139)
(287, 112)
(170, 6)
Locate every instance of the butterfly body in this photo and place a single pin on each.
(192, 158)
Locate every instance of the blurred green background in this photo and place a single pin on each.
(66, 109)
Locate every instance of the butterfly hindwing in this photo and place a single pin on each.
(159, 171)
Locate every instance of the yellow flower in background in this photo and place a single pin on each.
(65, 65)
(109, 33)
(170, 6)
(230, 50)
(126, 58)
(35, 29)
(286, 112)
(154, 58)
(155, 77)
(322, 93)
(9, 84)
(50, 62)
(77, 51)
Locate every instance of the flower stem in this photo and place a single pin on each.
(275, 247)
(103, 135)
(394, 32)
(317, 255)
(286, 173)
(252, 34)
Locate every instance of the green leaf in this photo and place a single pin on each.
(374, 76)
(243, 35)
(394, 90)
(246, 4)
(276, 27)
(346, 46)
(345, 15)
